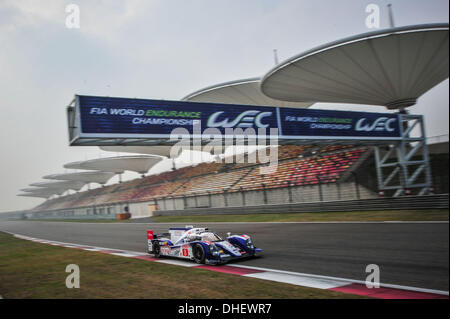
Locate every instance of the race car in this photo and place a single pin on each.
(200, 245)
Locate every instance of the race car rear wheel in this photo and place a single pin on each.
(199, 254)
(156, 249)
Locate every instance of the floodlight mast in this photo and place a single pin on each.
(275, 56)
(391, 16)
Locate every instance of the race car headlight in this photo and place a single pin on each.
(213, 250)
(249, 243)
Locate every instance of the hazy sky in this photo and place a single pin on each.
(156, 49)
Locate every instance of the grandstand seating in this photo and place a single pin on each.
(200, 169)
(316, 165)
(333, 148)
(161, 190)
(213, 183)
(301, 172)
(291, 151)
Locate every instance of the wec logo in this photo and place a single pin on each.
(380, 124)
(245, 119)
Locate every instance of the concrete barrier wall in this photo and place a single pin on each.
(256, 198)
(217, 200)
(391, 203)
(91, 212)
(299, 194)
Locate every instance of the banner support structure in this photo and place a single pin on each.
(404, 168)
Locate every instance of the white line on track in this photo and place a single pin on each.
(176, 262)
(345, 280)
(91, 248)
(123, 254)
(298, 280)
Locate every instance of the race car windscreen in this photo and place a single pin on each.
(210, 237)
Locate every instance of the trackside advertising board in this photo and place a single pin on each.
(106, 118)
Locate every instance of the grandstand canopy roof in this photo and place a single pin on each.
(138, 163)
(43, 191)
(63, 185)
(30, 190)
(35, 195)
(246, 91)
(390, 67)
(149, 150)
(87, 177)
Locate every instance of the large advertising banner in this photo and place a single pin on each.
(110, 117)
(159, 117)
(329, 123)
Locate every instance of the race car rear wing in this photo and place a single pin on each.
(151, 235)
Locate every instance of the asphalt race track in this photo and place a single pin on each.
(412, 254)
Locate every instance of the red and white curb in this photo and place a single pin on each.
(386, 291)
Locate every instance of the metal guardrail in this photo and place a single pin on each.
(391, 203)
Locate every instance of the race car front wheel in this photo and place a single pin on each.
(199, 254)
(156, 249)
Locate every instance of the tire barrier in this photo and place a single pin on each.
(123, 216)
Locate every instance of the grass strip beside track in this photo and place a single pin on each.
(34, 270)
(384, 215)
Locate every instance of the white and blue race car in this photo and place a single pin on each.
(200, 245)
